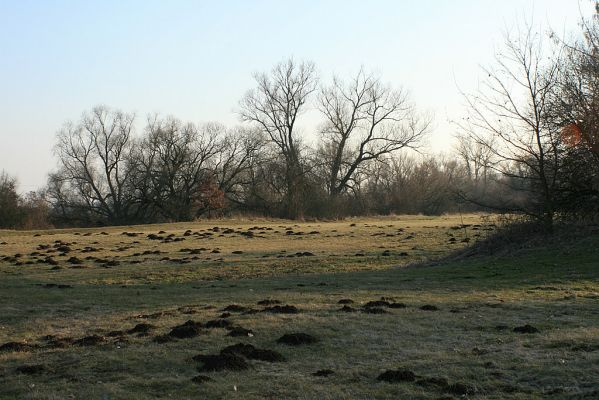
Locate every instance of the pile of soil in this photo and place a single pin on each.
(221, 362)
(286, 309)
(187, 330)
(399, 375)
(296, 339)
(253, 353)
(323, 372)
(92, 340)
(16, 346)
(526, 329)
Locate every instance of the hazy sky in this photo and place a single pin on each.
(195, 59)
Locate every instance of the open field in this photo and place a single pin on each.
(69, 301)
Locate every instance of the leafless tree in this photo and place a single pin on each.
(274, 106)
(9, 202)
(364, 121)
(176, 167)
(241, 153)
(509, 117)
(477, 158)
(93, 159)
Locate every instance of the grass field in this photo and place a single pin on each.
(69, 300)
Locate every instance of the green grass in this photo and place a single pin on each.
(554, 288)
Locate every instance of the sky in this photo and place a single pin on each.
(195, 59)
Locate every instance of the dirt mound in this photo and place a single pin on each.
(235, 308)
(323, 372)
(218, 323)
(526, 329)
(345, 301)
(296, 339)
(429, 307)
(286, 309)
(347, 309)
(399, 375)
(16, 346)
(187, 330)
(31, 369)
(92, 340)
(221, 362)
(140, 328)
(239, 331)
(377, 303)
(201, 379)
(397, 305)
(268, 302)
(252, 353)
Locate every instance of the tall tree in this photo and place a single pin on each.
(510, 117)
(176, 164)
(94, 172)
(10, 213)
(364, 121)
(274, 106)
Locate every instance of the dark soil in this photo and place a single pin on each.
(92, 340)
(429, 307)
(377, 303)
(286, 309)
(16, 346)
(235, 308)
(296, 339)
(187, 330)
(323, 372)
(526, 329)
(201, 379)
(252, 353)
(221, 362)
(140, 328)
(31, 369)
(397, 305)
(268, 302)
(347, 309)
(400, 375)
(218, 323)
(345, 301)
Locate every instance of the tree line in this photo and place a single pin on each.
(529, 144)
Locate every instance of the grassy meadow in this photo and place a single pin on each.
(150, 311)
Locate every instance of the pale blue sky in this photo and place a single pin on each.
(195, 59)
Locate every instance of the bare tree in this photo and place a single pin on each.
(241, 152)
(274, 106)
(93, 170)
(176, 167)
(478, 158)
(510, 117)
(10, 215)
(364, 121)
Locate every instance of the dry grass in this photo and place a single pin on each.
(469, 340)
